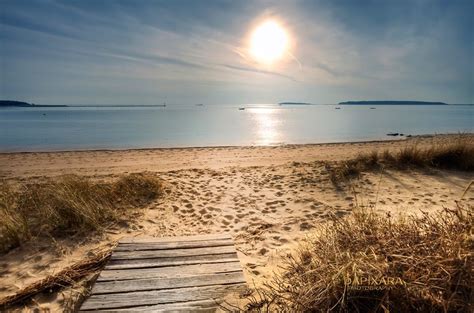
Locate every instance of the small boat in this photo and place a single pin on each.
(199, 105)
(392, 134)
(241, 109)
(372, 108)
(337, 108)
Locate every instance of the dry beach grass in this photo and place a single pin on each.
(69, 205)
(368, 262)
(457, 154)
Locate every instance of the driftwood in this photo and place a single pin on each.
(66, 277)
(467, 188)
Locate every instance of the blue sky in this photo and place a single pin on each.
(185, 52)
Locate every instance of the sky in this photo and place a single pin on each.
(188, 52)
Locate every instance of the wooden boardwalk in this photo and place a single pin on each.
(168, 274)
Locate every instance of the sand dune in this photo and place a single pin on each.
(268, 198)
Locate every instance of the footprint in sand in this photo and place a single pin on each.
(251, 265)
(305, 226)
(263, 251)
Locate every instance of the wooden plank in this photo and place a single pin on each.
(173, 253)
(175, 239)
(168, 283)
(168, 272)
(200, 306)
(147, 298)
(173, 245)
(161, 262)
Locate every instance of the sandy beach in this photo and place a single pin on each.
(267, 198)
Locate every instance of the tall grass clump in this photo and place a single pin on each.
(368, 262)
(69, 205)
(457, 154)
(13, 225)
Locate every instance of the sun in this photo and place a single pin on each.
(268, 42)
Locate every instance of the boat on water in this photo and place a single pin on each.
(241, 109)
(337, 108)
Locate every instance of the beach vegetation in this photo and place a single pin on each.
(69, 205)
(371, 262)
(457, 154)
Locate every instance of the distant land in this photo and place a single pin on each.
(11, 103)
(295, 103)
(118, 105)
(396, 102)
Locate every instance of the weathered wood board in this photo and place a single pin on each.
(174, 274)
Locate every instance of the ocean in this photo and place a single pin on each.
(81, 127)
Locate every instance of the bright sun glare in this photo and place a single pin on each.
(269, 42)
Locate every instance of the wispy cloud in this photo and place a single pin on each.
(259, 71)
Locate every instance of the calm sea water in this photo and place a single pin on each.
(76, 128)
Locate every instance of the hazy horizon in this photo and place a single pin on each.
(188, 52)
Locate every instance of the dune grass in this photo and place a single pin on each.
(457, 154)
(368, 262)
(69, 205)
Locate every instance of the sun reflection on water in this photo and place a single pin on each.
(266, 126)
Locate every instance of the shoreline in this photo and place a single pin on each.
(199, 147)
(391, 139)
(109, 163)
